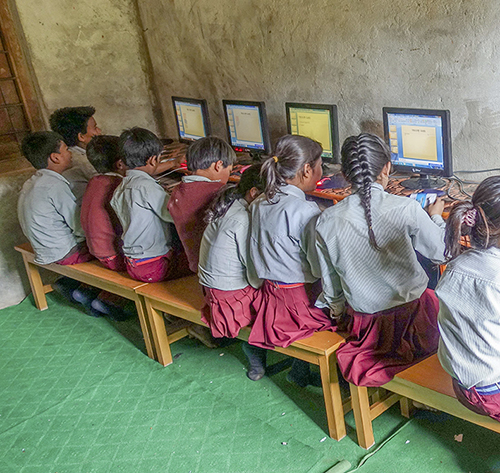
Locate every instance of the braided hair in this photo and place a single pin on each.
(250, 178)
(363, 158)
(477, 221)
(291, 154)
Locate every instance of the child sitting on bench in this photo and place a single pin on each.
(469, 301)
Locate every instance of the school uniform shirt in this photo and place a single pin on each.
(49, 216)
(370, 280)
(80, 173)
(188, 205)
(224, 260)
(99, 221)
(282, 237)
(141, 206)
(469, 318)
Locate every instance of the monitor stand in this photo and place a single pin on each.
(423, 182)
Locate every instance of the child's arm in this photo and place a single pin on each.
(428, 234)
(65, 204)
(157, 199)
(333, 294)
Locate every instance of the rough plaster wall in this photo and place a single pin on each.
(90, 52)
(360, 55)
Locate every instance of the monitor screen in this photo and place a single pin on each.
(192, 118)
(419, 140)
(318, 122)
(247, 126)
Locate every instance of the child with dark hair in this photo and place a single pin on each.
(141, 206)
(211, 160)
(469, 300)
(225, 269)
(77, 126)
(283, 251)
(47, 208)
(369, 268)
(99, 221)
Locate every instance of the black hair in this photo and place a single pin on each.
(291, 154)
(363, 158)
(137, 145)
(37, 147)
(476, 221)
(204, 152)
(103, 152)
(70, 121)
(250, 178)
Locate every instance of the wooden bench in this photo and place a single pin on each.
(183, 298)
(93, 274)
(426, 382)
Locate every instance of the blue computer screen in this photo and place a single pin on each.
(416, 140)
(245, 126)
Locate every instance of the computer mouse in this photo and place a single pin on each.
(332, 182)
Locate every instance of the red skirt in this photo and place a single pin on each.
(286, 313)
(78, 254)
(486, 405)
(225, 312)
(383, 344)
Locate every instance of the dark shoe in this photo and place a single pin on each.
(65, 287)
(257, 360)
(108, 310)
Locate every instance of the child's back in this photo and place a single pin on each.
(401, 227)
(210, 159)
(99, 221)
(47, 208)
(469, 301)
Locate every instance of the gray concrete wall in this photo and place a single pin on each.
(90, 53)
(361, 55)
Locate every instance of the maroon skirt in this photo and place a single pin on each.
(225, 312)
(486, 405)
(286, 313)
(383, 344)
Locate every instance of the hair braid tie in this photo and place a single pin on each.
(469, 217)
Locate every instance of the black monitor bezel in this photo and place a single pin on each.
(263, 125)
(334, 132)
(204, 112)
(446, 127)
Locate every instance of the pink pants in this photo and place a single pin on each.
(78, 254)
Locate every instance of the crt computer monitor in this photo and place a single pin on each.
(318, 122)
(191, 117)
(247, 128)
(420, 142)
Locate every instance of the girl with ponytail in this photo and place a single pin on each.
(225, 270)
(283, 251)
(370, 272)
(469, 300)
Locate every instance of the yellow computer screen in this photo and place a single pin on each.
(315, 124)
(419, 142)
(246, 123)
(190, 118)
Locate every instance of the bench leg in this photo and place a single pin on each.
(36, 284)
(140, 305)
(159, 334)
(333, 398)
(362, 415)
(406, 406)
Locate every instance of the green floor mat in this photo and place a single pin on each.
(78, 394)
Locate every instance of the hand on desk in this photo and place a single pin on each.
(437, 208)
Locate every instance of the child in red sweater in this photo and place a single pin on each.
(211, 161)
(99, 221)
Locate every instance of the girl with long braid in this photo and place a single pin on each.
(371, 277)
(469, 300)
